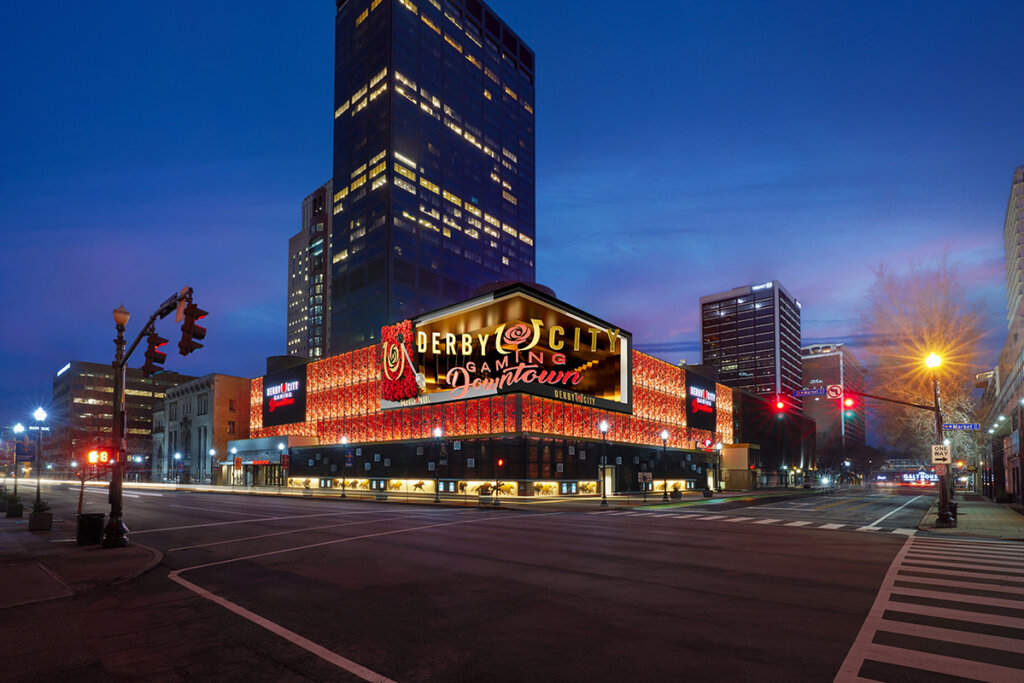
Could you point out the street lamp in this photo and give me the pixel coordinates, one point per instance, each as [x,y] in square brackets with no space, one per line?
[604,462]
[177,471]
[945,518]
[18,429]
[115,533]
[280,459]
[213,454]
[664,464]
[437,464]
[234,452]
[344,464]
[40,416]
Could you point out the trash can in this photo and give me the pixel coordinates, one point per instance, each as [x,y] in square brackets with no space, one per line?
[90,528]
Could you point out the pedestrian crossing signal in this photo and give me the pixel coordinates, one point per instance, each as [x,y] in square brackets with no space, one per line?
[99,458]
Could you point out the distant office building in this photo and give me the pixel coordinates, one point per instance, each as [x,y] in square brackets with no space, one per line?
[433,191]
[752,335]
[195,421]
[840,428]
[309,278]
[81,414]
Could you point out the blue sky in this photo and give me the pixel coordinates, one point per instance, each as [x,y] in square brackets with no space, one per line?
[682,149]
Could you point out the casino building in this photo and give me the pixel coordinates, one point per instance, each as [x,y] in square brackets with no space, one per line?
[508,390]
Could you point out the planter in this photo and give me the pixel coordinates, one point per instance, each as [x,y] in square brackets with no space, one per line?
[675,495]
[40,521]
[15,509]
[708,493]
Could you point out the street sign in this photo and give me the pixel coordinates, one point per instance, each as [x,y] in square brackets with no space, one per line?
[816,391]
[961,426]
[940,470]
[941,455]
[645,477]
[349,460]
[834,391]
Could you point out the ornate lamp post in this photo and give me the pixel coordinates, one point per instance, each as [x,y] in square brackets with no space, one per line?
[604,463]
[437,463]
[664,464]
[280,458]
[40,416]
[115,533]
[213,454]
[344,465]
[234,452]
[18,429]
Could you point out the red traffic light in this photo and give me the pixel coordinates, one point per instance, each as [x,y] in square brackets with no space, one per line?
[848,402]
[780,405]
[154,356]
[501,462]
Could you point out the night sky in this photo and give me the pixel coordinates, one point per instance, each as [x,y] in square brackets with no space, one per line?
[682,149]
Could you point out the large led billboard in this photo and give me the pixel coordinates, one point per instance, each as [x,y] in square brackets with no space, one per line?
[512,340]
[284,397]
[700,402]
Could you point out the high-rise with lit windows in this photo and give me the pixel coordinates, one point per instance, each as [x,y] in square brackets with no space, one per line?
[309,278]
[752,335]
[433,190]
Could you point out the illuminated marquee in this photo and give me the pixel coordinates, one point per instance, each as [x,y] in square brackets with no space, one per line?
[701,402]
[284,397]
[515,340]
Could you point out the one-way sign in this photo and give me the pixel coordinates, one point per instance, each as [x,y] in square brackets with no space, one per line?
[941,455]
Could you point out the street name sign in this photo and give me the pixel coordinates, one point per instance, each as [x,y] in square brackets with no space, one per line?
[941,455]
[962,426]
[817,391]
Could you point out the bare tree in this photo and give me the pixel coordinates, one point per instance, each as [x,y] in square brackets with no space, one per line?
[909,316]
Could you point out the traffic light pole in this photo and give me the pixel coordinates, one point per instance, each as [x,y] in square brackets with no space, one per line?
[115,534]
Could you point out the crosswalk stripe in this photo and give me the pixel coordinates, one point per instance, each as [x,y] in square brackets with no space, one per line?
[831,526]
[958,572]
[954,597]
[767,521]
[957,614]
[737,519]
[797,523]
[967,585]
[950,635]
[905,532]
[992,557]
[968,565]
[941,664]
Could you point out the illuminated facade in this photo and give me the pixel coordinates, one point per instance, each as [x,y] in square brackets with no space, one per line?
[752,336]
[433,161]
[512,375]
[309,278]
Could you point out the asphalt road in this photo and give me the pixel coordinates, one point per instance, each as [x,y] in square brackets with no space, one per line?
[291,589]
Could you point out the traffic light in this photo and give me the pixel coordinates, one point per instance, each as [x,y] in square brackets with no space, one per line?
[190,332]
[780,407]
[848,403]
[501,462]
[154,356]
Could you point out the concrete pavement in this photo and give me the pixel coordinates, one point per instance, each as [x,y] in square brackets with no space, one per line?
[980,517]
[45,565]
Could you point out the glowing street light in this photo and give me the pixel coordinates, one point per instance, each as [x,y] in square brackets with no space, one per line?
[18,429]
[664,463]
[604,462]
[344,474]
[945,519]
[437,465]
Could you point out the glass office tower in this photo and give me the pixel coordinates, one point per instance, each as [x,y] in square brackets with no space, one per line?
[433,160]
[752,335]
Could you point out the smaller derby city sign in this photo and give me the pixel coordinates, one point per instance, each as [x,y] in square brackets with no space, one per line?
[284,397]
[512,340]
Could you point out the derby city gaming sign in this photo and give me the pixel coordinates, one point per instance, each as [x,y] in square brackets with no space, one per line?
[284,397]
[516,341]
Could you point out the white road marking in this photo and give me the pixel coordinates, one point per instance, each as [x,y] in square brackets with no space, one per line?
[737,519]
[831,526]
[767,521]
[306,644]
[869,528]
[245,521]
[875,523]
[227,512]
[796,523]
[287,532]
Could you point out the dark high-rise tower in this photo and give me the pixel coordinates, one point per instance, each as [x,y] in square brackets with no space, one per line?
[752,335]
[433,160]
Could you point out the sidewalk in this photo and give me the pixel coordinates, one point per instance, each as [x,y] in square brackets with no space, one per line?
[980,517]
[44,565]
